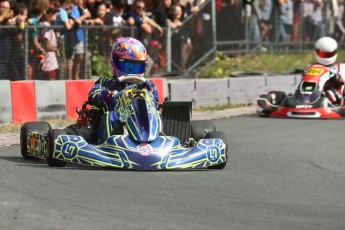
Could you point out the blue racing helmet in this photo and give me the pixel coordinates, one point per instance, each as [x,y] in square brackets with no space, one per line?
[128,56]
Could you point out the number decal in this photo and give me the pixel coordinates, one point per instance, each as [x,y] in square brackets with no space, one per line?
[213,153]
[69,150]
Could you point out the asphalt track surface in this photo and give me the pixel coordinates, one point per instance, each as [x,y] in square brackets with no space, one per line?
[283,174]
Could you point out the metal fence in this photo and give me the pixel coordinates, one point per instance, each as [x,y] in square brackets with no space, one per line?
[232,29]
[167,53]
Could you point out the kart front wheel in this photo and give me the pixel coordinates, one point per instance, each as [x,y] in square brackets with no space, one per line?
[52,135]
[222,136]
[24,132]
[200,128]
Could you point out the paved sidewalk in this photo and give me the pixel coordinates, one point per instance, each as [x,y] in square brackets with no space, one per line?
[7,139]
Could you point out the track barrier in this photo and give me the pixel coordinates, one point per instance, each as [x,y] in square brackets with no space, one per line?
[5,101]
[23,101]
[76,94]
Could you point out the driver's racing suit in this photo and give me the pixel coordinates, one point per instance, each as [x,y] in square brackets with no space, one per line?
[334,87]
[106,119]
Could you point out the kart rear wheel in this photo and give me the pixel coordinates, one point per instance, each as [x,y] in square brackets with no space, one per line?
[52,135]
[222,136]
[24,131]
[200,128]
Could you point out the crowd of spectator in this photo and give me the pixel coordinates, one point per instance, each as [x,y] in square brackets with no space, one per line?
[55,53]
[61,53]
[284,21]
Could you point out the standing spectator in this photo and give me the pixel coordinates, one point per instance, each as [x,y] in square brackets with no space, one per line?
[297,15]
[101,11]
[116,16]
[50,46]
[100,19]
[136,17]
[281,34]
[5,38]
[331,14]
[161,12]
[5,11]
[288,20]
[307,21]
[317,17]
[229,14]
[16,63]
[81,15]
[62,19]
[182,40]
[37,9]
[253,13]
[339,33]
[188,8]
[265,25]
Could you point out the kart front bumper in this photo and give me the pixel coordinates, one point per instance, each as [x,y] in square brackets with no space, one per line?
[121,152]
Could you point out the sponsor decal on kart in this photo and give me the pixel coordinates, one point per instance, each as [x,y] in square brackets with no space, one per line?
[314,71]
[146,149]
[304,106]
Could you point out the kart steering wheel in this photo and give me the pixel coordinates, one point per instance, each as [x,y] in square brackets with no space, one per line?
[127,78]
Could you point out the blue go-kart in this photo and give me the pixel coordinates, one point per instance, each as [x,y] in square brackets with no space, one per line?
[151,139]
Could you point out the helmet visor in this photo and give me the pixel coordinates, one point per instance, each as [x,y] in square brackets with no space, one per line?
[129,66]
[324,54]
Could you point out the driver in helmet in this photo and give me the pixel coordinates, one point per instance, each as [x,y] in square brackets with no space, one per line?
[128,56]
[326,54]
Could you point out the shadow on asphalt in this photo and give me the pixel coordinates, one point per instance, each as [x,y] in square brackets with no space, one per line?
[38,163]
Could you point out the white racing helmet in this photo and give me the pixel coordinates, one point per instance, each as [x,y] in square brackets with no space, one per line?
[326,50]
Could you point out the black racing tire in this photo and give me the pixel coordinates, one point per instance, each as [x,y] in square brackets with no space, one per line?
[222,136]
[52,135]
[24,131]
[279,97]
[200,128]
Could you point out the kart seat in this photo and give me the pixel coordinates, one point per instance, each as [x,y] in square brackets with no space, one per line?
[176,119]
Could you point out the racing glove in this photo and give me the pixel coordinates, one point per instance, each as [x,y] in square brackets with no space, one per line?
[114,84]
[105,95]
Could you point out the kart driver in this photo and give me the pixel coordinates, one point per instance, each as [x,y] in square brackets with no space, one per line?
[128,56]
[326,54]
